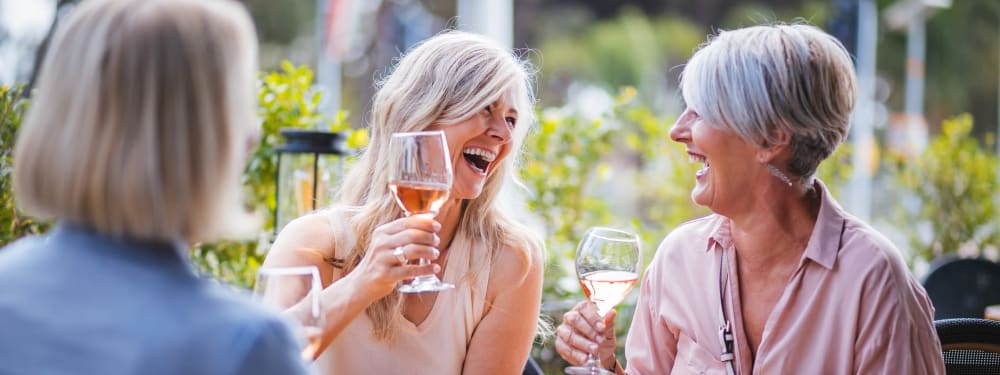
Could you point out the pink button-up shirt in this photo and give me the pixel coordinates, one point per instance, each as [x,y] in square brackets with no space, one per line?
[851,307]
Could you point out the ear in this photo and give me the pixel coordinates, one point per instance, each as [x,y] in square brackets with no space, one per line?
[769,152]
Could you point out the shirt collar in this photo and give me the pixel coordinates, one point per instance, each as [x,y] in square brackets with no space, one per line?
[824,244]
[719,233]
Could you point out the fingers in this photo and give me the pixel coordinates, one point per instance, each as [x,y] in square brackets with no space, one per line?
[584,332]
[405,231]
[408,253]
[573,347]
[584,318]
[418,222]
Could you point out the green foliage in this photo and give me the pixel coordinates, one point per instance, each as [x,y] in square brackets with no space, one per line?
[836,170]
[620,170]
[955,181]
[13,224]
[287,99]
[629,50]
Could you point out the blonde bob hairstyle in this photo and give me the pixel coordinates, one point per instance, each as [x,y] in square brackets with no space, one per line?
[442,81]
[144,113]
[762,80]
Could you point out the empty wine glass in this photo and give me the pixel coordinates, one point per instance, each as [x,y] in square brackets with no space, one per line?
[607,263]
[420,179]
[295,291]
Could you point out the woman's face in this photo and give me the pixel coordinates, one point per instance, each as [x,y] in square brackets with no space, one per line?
[731,166]
[478,145]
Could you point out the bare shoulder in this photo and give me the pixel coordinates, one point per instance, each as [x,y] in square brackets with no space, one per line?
[307,239]
[520,267]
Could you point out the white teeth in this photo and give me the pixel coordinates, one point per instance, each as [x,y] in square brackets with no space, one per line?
[696,159]
[484,154]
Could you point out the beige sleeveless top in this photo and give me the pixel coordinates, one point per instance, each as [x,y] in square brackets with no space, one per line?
[436,346]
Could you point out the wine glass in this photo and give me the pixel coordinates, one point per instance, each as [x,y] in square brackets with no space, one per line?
[607,263]
[420,179]
[295,292]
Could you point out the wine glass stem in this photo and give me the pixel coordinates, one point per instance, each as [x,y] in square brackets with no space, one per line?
[422,261]
[593,363]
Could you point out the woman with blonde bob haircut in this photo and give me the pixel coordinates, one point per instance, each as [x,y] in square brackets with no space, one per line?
[479,95]
[135,144]
[779,279]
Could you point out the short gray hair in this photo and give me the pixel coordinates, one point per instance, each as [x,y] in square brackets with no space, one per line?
[759,80]
[144,114]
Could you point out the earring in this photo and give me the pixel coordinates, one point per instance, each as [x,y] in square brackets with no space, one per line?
[779,174]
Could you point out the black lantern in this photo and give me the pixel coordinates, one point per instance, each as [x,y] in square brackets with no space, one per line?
[308,163]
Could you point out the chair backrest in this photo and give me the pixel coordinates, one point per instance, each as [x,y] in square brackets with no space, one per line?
[962,288]
[970,346]
[531,368]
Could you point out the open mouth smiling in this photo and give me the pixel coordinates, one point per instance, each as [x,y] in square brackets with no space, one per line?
[479,159]
[699,159]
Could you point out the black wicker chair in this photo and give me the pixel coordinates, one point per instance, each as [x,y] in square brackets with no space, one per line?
[962,288]
[970,346]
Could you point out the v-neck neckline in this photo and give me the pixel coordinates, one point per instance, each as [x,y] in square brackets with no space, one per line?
[430,318]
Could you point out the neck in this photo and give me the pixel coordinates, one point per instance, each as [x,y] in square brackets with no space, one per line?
[777,228]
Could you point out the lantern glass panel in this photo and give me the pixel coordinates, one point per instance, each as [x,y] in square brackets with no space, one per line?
[300,191]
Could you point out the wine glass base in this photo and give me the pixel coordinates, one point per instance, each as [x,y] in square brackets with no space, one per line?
[420,285]
[584,370]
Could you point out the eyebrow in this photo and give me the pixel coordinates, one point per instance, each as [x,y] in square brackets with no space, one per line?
[494,106]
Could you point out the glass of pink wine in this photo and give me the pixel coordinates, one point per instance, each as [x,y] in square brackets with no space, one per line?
[295,293]
[420,179]
[607,263]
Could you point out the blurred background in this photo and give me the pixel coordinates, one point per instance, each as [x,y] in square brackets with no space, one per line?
[581,45]
[921,163]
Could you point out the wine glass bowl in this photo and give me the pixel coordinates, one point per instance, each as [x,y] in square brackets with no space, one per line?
[420,180]
[607,264]
[295,293]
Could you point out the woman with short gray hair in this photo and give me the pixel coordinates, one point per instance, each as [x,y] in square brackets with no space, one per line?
[779,279]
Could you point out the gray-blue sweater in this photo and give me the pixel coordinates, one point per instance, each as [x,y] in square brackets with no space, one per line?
[79,302]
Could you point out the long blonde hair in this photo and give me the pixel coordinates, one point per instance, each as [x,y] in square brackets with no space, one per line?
[443,81]
[142,120]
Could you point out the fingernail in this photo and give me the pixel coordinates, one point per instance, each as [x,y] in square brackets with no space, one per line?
[593,347]
[600,338]
[437,253]
[437,240]
[600,326]
[437,225]
[437,268]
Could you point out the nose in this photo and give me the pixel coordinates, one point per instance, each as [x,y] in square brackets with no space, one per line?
[499,130]
[681,130]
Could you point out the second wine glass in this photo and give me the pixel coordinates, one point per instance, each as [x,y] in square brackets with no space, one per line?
[420,179]
[607,263]
[295,292]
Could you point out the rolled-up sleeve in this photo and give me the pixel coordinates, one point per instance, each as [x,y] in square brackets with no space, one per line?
[650,346]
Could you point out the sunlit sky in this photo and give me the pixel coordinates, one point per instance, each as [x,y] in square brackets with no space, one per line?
[25,22]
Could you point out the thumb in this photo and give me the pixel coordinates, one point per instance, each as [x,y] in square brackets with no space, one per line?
[609,323]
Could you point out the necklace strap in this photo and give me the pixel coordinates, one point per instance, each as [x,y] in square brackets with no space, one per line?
[726,328]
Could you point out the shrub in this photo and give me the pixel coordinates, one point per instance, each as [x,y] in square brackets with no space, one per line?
[13,224]
[952,188]
[286,99]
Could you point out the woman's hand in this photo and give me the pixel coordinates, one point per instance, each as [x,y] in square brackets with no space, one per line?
[583,331]
[393,245]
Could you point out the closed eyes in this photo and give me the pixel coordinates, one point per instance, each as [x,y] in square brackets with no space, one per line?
[510,120]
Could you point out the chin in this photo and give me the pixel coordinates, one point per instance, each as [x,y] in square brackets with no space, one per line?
[466,192]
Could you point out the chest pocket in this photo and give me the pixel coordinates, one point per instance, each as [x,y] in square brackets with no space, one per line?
[692,358]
